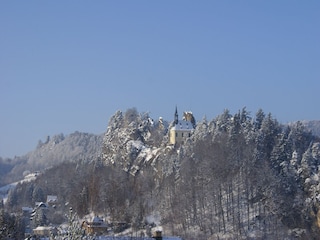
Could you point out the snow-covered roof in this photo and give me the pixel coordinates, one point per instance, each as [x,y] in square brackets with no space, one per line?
[42,228]
[183,125]
[96,219]
[96,222]
[51,198]
[27,209]
[41,204]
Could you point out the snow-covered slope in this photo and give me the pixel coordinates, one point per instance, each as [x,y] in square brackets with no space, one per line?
[234,178]
[4,190]
[313,126]
[133,140]
[57,149]
[61,148]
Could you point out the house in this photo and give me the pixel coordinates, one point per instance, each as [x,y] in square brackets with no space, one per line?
[44,231]
[180,130]
[52,200]
[41,205]
[26,210]
[96,226]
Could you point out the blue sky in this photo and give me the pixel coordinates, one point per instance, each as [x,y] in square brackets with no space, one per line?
[67,66]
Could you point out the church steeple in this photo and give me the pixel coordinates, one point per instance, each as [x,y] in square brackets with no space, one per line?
[176,118]
[181,130]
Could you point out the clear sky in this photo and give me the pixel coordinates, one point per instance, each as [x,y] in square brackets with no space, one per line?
[67,66]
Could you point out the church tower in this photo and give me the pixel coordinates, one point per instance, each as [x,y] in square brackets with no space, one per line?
[176,117]
[180,129]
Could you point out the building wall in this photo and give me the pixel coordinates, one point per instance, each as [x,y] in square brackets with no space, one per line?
[178,136]
[172,137]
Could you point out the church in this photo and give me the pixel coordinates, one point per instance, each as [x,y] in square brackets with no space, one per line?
[180,130]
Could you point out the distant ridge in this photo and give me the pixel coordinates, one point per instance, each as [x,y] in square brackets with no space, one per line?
[313,126]
[76,146]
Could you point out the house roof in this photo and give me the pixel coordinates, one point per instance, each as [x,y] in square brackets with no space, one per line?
[96,222]
[183,125]
[41,205]
[27,209]
[96,219]
[51,198]
[43,228]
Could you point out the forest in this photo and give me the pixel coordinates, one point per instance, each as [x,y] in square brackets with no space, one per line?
[237,177]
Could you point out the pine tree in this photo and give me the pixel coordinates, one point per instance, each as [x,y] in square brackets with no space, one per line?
[259,119]
[7,225]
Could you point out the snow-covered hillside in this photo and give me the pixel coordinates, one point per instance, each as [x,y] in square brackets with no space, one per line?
[55,150]
[313,126]
[4,190]
[134,140]
[235,177]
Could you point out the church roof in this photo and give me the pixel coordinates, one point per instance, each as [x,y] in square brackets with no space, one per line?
[183,125]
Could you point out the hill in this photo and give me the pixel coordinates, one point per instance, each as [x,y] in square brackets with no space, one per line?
[55,150]
[236,177]
[313,126]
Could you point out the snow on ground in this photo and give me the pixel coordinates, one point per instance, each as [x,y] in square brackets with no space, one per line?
[149,153]
[134,238]
[5,189]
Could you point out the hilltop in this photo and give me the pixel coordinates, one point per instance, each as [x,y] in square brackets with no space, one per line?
[313,126]
[236,176]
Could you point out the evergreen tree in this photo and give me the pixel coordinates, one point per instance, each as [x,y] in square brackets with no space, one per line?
[259,118]
[7,225]
[38,195]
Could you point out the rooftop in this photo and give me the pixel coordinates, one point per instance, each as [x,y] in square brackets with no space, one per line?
[183,126]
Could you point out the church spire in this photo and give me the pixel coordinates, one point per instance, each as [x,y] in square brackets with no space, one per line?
[176,118]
